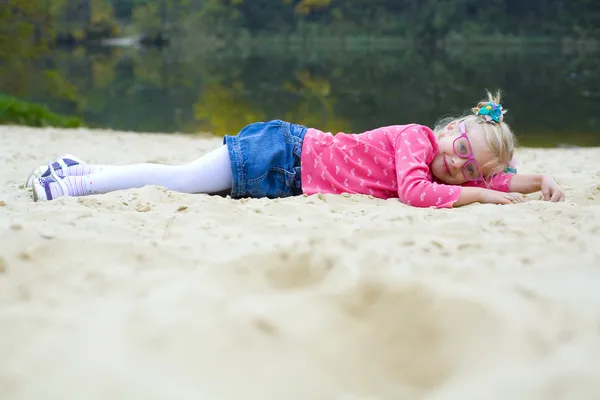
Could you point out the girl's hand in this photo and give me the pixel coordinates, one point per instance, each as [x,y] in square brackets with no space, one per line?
[495,197]
[551,190]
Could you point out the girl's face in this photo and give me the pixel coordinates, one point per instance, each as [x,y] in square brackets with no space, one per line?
[462,159]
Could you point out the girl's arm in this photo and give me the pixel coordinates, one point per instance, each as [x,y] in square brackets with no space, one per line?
[523,183]
[470,195]
[526,183]
[530,183]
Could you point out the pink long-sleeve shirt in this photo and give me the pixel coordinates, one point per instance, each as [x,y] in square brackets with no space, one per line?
[387,162]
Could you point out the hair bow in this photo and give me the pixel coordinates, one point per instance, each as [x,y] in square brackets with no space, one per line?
[490,111]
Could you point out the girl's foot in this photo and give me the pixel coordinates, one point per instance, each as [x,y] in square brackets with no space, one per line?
[63,166]
[48,188]
[52,187]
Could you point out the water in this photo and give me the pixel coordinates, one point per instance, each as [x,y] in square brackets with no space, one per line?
[553,95]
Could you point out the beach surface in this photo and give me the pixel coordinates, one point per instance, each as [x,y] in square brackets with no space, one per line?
[151,294]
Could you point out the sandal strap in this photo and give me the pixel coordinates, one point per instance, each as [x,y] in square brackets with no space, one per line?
[63,165]
[59,180]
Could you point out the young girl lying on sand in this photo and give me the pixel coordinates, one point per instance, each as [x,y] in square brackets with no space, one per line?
[463,160]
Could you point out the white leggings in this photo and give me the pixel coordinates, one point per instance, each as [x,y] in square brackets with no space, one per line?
[210,173]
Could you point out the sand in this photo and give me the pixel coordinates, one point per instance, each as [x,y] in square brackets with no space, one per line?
[151,294]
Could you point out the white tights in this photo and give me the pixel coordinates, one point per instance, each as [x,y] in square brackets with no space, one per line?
[210,173]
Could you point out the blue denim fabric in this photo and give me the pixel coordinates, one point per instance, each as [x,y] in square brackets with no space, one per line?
[265,159]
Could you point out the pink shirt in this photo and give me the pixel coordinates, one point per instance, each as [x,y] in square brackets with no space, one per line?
[387,162]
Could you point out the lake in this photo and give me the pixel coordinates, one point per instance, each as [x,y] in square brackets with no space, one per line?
[552,94]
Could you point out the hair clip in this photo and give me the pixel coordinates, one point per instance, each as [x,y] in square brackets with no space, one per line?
[512,166]
[491,112]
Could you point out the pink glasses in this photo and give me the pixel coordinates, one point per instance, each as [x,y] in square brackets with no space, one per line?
[462,147]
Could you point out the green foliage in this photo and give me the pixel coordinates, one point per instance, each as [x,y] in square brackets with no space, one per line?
[229,61]
[18,112]
[422,20]
[418,19]
[345,85]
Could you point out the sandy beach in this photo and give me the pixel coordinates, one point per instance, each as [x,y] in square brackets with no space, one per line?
[151,294]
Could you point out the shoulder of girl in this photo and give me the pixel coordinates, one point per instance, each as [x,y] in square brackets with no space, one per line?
[425,130]
[415,131]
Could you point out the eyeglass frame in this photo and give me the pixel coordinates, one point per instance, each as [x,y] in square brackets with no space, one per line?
[470,157]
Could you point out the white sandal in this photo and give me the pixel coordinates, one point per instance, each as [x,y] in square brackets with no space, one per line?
[61,163]
[41,186]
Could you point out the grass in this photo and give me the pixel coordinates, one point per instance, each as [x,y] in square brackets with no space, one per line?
[14,111]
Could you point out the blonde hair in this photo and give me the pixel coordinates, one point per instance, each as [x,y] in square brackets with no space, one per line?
[500,138]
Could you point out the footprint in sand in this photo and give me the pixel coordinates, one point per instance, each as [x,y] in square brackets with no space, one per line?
[293,269]
[140,207]
[416,335]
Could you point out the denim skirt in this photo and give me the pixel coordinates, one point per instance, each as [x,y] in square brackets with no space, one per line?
[265,159]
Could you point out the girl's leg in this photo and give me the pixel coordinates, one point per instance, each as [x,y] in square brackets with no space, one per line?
[209,174]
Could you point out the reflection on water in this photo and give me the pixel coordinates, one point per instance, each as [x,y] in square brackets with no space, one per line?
[553,97]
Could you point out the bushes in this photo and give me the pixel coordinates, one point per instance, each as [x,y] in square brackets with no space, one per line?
[15,111]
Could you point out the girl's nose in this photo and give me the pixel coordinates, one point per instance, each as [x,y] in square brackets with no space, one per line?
[457,162]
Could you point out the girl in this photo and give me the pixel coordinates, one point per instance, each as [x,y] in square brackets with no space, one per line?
[463,161]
